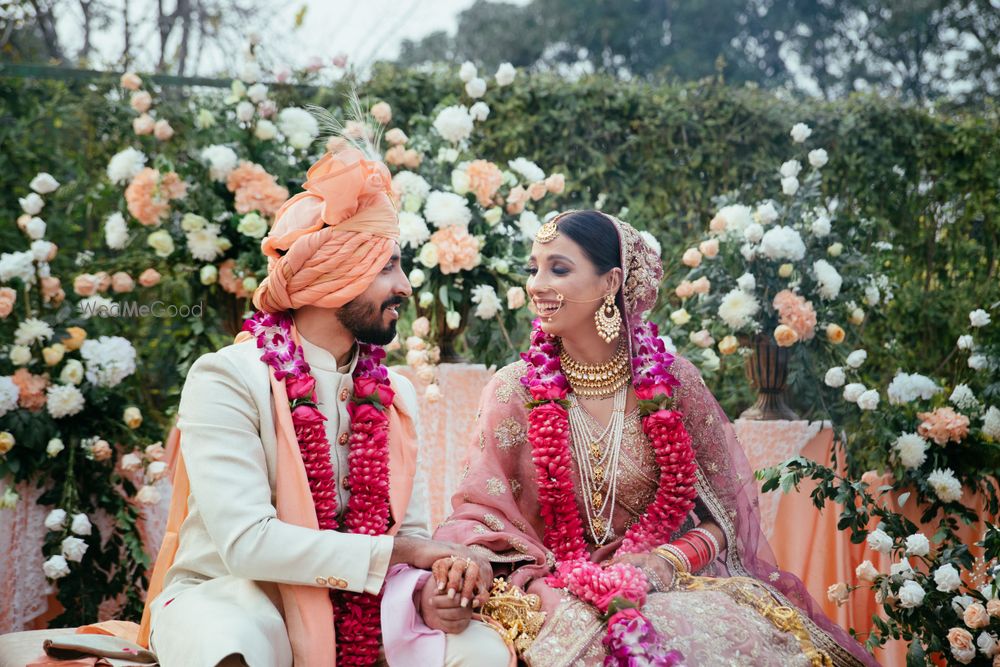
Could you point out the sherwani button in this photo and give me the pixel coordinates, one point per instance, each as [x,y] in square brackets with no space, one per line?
[344,437]
[342,583]
[333,581]
[344,394]
[320,581]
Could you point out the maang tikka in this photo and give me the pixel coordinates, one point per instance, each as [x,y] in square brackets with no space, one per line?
[608,319]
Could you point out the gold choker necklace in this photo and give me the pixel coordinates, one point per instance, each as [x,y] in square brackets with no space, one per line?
[597,380]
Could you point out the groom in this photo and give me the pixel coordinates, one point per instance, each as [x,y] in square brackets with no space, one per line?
[246,575]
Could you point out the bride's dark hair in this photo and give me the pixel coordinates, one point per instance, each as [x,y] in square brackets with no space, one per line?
[596,235]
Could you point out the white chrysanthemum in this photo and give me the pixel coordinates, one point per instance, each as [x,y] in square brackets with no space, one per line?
[55,567]
[413,231]
[821,226]
[505,74]
[529,224]
[853,391]
[63,400]
[447,208]
[991,423]
[467,72]
[125,164]
[454,123]
[8,395]
[115,231]
[790,169]
[488,303]
[911,450]
[747,282]
[480,111]
[856,358]
[782,243]
[754,232]
[299,126]
[220,160]
[737,218]
[530,171]
[800,132]
[109,360]
[945,485]
[652,242]
[818,158]
[906,388]
[408,183]
[979,318]
[868,400]
[475,88]
[203,244]
[963,398]
[32,330]
[835,377]
[738,309]
[767,213]
[18,265]
[44,183]
[828,279]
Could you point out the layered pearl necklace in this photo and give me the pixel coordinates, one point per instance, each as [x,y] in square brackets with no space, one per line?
[597,458]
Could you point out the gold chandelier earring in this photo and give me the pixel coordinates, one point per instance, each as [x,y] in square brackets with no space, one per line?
[608,319]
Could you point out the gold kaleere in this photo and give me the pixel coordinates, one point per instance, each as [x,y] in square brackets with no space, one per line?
[518,614]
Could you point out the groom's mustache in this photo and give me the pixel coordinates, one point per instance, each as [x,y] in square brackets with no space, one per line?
[394,301]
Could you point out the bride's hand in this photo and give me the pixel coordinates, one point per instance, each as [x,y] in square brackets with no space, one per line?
[465,575]
[651,562]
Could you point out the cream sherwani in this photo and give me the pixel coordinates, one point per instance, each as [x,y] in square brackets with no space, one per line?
[220,596]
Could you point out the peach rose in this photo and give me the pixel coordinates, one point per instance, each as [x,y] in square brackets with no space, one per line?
[162,130]
[53,354]
[130,81]
[229,281]
[31,389]
[458,250]
[943,425]
[85,284]
[8,297]
[835,334]
[73,340]
[838,594]
[685,290]
[702,285]
[412,158]
[993,607]
[516,298]
[556,184]
[52,291]
[717,225]
[141,101]
[103,281]
[702,338]
[382,113]
[537,190]
[22,222]
[155,452]
[143,125]
[396,155]
[122,282]
[149,277]
[728,345]
[975,616]
[691,258]
[516,199]
[396,137]
[960,639]
[149,194]
[709,248]
[485,178]
[785,336]
[101,450]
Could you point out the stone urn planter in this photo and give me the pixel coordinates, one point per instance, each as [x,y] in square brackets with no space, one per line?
[767,370]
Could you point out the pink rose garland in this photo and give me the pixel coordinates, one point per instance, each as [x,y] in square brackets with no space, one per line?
[357,615]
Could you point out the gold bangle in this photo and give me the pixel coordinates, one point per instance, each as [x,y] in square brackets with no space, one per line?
[671,558]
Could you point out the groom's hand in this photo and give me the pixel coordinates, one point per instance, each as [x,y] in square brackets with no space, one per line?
[441,612]
[467,578]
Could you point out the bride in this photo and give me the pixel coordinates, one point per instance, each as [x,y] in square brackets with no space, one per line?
[573,476]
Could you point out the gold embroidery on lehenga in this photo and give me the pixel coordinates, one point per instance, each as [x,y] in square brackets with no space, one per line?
[509,381]
[493,521]
[509,434]
[482,441]
[515,490]
[495,486]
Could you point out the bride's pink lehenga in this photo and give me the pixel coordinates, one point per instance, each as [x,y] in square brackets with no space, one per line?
[741,610]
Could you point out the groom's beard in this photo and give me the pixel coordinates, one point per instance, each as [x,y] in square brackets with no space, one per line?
[366,321]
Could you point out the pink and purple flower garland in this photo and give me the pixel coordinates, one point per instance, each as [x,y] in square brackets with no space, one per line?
[357,616]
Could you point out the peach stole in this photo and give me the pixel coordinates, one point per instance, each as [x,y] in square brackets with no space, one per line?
[308,610]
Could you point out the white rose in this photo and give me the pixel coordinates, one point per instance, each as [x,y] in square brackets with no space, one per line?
[800,132]
[856,358]
[853,391]
[475,88]
[790,186]
[453,319]
[790,169]
[493,215]
[835,377]
[428,255]
[459,181]
[835,249]
[747,282]
[911,594]
[878,540]
[947,578]
[829,280]
[979,318]
[43,183]
[767,213]
[124,165]
[244,111]
[818,158]
[73,548]
[868,400]
[710,360]
[467,72]
[55,567]
[32,204]
[257,93]
[987,644]
[417,278]
[454,123]
[480,111]
[964,342]
[991,423]
[866,571]
[917,545]
[902,569]
[252,225]
[820,227]
[161,242]
[155,471]
[72,372]
[130,462]
[680,317]
[529,224]
[265,130]
[56,519]
[978,362]
[81,524]
[209,275]
[505,74]
[35,228]
[20,355]
[753,233]
[54,447]
[426,299]
[148,495]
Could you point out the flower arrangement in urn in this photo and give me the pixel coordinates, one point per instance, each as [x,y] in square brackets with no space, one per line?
[781,277]
[70,436]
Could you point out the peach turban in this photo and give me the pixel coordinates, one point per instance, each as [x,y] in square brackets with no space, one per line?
[330,241]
